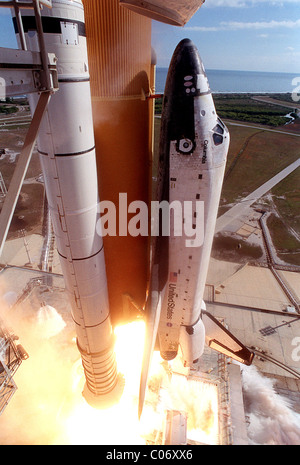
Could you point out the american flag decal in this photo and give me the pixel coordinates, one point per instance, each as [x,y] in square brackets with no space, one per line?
[173,277]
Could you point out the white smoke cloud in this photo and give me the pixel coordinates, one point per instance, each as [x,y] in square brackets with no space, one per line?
[44,380]
[272,419]
[49,322]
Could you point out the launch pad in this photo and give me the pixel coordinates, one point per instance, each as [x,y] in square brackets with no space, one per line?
[30,287]
[225,424]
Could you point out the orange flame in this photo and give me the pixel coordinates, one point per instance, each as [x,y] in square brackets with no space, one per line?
[119,424]
[49,398]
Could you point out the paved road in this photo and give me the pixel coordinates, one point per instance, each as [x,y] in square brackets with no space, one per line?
[16,120]
[262,128]
[280,103]
[242,207]
[215,305]
[230,123]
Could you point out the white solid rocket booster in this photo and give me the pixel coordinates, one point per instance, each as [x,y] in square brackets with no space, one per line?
[67,153]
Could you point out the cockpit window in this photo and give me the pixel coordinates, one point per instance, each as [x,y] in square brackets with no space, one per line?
[221,122]
[218,129]
[218,139]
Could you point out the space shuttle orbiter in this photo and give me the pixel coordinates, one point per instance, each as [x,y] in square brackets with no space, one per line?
[193,149]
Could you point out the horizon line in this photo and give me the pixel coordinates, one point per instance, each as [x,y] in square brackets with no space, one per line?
[242,70]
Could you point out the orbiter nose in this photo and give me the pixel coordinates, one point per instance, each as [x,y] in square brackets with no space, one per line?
[186,58]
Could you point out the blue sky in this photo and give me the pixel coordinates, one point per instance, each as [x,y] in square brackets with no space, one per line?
[250,35]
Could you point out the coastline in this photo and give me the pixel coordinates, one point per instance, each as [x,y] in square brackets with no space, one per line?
[242,82]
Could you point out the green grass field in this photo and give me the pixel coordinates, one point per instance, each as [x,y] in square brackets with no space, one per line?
[286,196]
[254,157]
[286,244]
[241,107]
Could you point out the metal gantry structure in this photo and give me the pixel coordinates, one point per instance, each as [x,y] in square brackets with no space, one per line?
[22,72]
[11,356]
[25,72]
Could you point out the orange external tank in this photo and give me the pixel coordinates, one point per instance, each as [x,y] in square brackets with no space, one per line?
[119,51]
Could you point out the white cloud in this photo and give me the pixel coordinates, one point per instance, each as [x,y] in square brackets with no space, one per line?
[235,25]
[245,3]
[203,28]
[225,3]
[239,25]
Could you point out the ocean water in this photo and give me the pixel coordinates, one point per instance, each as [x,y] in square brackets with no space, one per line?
[222,81]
